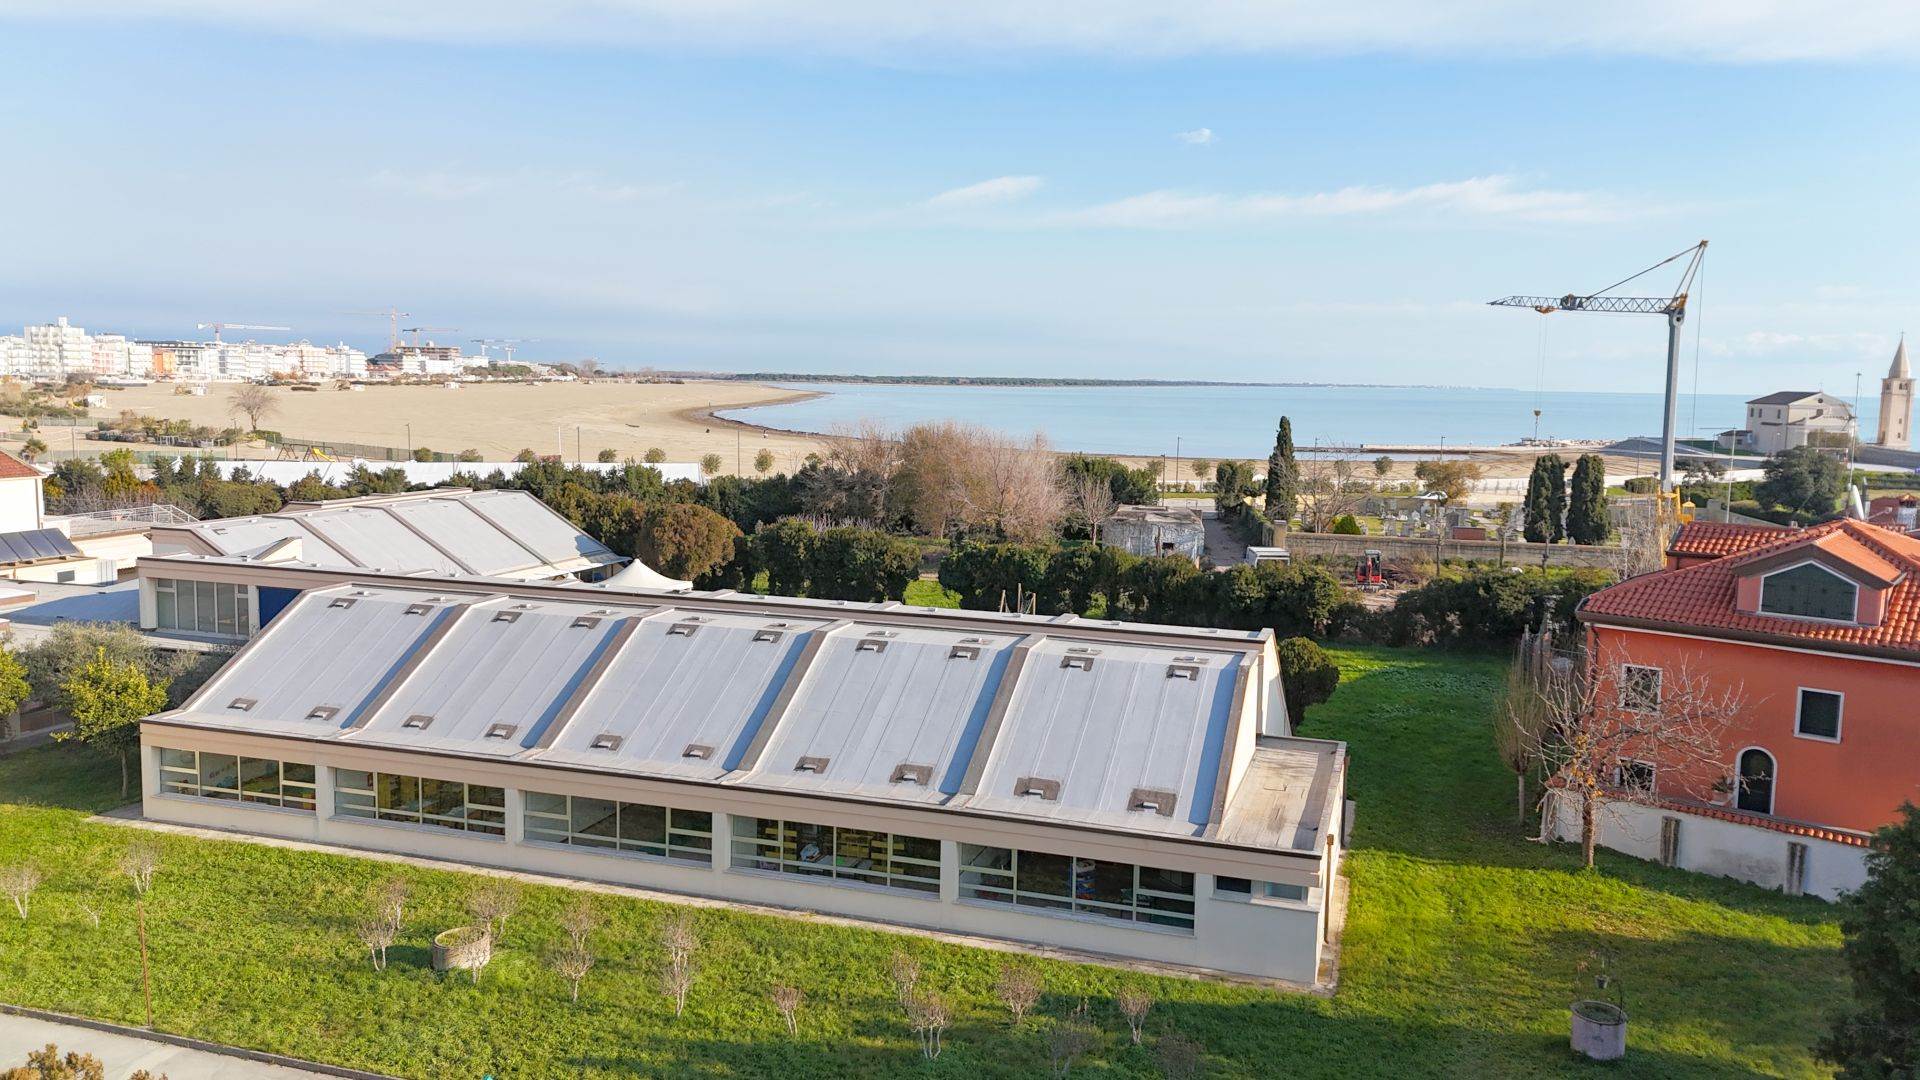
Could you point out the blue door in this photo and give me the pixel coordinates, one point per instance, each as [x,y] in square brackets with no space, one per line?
[274,601]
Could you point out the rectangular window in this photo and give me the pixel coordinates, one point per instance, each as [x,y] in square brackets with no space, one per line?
[201,607]
[414,800]
[1639,688]
[243,779]
[1630,775]
[1239,888]
[635,828]
[1819,715]
[887,860]
[1093,887]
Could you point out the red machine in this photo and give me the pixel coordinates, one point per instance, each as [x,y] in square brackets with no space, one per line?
[1368,574]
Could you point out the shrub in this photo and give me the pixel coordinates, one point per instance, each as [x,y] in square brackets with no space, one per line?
[1347,525]
[1307,674]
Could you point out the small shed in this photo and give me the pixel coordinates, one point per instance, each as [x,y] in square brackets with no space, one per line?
[1156,530]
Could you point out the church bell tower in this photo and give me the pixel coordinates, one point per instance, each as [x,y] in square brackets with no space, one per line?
[1896,403]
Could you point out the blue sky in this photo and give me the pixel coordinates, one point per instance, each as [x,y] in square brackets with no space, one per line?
[1196,191]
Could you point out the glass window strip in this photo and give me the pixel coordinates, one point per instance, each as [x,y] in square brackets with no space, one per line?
[855,855]
[980,879]
[259,781]
[683,841]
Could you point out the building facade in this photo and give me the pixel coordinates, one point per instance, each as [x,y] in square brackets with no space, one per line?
[1793,418]
[906,766]
[1816,632]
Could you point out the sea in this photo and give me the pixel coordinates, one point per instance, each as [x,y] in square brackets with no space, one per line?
[1239,421]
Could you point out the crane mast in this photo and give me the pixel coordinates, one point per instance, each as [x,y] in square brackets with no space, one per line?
[1674,308]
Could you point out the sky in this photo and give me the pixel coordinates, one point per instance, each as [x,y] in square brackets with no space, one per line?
[1217,189]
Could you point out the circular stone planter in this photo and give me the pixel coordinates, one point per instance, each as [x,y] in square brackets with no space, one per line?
[1599,1030]
[448,943]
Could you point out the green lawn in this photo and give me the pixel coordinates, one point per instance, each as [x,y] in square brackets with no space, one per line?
[1459,954]
[928,593]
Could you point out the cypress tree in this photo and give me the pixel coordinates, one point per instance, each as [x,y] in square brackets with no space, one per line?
[1878,1033]
[1557,497]
[1535,513]
[1587,518]
[1283,476]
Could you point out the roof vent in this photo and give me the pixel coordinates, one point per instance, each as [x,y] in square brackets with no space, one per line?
[919,774]
[870,644]
[811,764]
[606,740]
[244,704]
[682,629]
[506,616]
[697,751]
[1179,670]
[502,731]
[768,634]
[964,652]
[418,721]
[1049,790]
[1084,663]
[1154,799]
[323,712]
[341,602]
[419,609]
[586,622]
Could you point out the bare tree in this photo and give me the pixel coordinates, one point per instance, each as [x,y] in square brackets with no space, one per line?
[254,401]
[140,862]
[92,913]
[377,932]
[1013,488]
[1133,1003]
[390,900]
[904,970]
[930,1016]
[680,942]
[1018,988]
[572,962]
[1603,720]
[1645,532]
[787,999]
[579,920]
[18,882]
[1070,1040]
[1179,1057]
[1091,499]
[1328,491]
[1521,724]
[492,904]
[927,485]
[471,953]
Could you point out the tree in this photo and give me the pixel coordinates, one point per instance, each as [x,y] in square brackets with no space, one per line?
[19,882]
[763,461]
[527,456]
[1546,497]
[1201,468]
[253,401]
[607,456]
[861,564]
[1587,518]
[1178,1056]
[140,862]
[903,970]
[787,1000]
[1011,489]
[710,464]
[1018,988]
[1232,486]
[680,942]
[1133,1003]
[1878,1033]
[1803,480]
[785,550]
[1307,675]
[682,540]
[1519,726]
[572,962]
[580,919]
[377,933]
[1595,719]
[1701,471]
[1070,1040]
[929,1015]
[14,688]
[492,904]
[1090,498]
[1328,492]
[1382,466]
[1453,478]
[1347,525]
[107,699]
[654,455]
[1282,475]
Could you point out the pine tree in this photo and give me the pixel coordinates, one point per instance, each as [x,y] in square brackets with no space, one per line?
[1587,518]
[1878,1035]
[1536,515]
[1283,476]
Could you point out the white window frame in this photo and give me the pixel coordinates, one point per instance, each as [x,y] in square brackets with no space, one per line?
[1659,687]
[1261,893]
[1004,884]
[181,782]
[547,828]
[1839,719]
[1760,607]
[240,618]
[371,812]
[1773,790]
[752,848]
[1653,774]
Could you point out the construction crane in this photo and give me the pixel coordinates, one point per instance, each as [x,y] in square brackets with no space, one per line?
[216,327]
[1673,307]
[393,317]
[416,331]
[504,344]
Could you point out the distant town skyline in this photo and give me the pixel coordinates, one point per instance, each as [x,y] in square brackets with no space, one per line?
[1283,196]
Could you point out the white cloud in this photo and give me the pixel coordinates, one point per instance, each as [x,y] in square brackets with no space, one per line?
[1714,30]
[1000,189]
[1493,197]
[1196,137]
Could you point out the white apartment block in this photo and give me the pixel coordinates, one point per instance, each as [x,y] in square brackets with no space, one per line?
[56,350]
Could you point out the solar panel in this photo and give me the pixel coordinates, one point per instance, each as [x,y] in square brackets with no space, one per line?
[34,545]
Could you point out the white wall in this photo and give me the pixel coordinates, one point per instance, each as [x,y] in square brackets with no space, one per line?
[20,504]
[1266,940]
[1722,848]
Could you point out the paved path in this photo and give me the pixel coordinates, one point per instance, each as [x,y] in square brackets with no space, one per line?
[124,1054]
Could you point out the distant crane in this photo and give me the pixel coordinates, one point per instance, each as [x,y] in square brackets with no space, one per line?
[416,331]
[216,327]
[393,317]
[504,344]
[1673,307]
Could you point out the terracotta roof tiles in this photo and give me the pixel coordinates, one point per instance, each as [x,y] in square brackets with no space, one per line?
[12,468]
[1718,538]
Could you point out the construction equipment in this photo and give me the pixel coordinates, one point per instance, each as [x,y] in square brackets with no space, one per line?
[416,331]
[1369,575]
[393,317]
[505,345]
[216,327]
[1673,307]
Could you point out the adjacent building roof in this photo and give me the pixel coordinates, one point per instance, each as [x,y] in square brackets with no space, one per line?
[501,534]
[12,468]
[35,545]
[1714,539]
[1701,598]
[1052,721]
[1785,397]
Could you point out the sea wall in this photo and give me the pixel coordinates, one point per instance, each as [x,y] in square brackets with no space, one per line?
[1401,549]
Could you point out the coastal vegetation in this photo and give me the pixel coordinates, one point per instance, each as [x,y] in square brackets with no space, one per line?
[1461,944]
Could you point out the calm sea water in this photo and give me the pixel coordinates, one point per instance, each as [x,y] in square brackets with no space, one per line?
[1223,421]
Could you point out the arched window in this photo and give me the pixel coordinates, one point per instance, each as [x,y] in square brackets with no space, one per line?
[1756,781]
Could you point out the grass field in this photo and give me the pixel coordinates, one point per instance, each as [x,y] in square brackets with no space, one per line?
[1459,953]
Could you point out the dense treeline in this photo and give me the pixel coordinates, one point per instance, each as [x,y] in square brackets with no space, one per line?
[1481,605]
